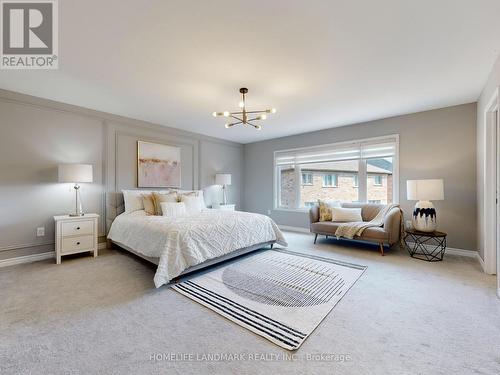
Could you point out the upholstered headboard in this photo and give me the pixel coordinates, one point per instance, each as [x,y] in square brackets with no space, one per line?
[114,207]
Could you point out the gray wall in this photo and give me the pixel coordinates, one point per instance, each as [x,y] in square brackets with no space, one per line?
[433,144]
[36,135]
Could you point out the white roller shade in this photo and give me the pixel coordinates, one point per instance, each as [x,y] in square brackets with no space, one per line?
[337,152]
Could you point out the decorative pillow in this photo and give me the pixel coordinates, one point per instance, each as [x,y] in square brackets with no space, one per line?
[196,193]
[193,203]
[149,204]
[325,209]
[173,209]
[340,214]
[133,200]
[159,198]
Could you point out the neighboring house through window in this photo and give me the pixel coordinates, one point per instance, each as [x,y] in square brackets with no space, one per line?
[359,171]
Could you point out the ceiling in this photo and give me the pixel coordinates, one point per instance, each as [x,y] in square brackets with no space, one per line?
[320,63]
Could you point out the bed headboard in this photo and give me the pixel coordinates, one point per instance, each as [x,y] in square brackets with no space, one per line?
[114,207]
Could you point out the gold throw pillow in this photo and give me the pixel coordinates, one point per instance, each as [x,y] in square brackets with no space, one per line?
[149,204]
[325,209]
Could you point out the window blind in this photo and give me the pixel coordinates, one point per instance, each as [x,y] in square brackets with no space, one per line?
[379,148]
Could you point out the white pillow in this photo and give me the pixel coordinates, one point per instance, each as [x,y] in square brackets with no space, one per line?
[133,200]
[194,203]
[346,214]
[173,209]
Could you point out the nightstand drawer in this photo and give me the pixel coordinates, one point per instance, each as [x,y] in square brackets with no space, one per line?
[75,244]
[77,228]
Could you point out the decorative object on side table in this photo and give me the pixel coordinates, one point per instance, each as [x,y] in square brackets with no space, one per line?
[75,174]
[223,179]
[75,235]
[429,246]
[424,218]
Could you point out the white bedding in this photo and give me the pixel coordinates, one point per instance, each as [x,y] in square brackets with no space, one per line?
[182,242]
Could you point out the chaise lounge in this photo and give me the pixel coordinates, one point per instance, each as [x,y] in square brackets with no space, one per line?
[388,234]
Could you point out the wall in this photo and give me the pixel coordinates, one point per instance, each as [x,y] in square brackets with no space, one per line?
[433,144]
[36,135]
[491,85]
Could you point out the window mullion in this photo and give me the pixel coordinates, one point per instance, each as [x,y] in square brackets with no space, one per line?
[362,181]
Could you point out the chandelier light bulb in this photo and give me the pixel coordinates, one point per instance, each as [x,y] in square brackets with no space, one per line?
[263,116]
[273,110]
[241,104]
[258,127]
[226,113]
[227,126]
[214,114]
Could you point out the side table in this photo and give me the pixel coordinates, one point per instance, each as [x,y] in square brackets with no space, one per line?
[429,246]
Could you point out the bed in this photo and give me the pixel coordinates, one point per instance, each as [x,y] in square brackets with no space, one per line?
[184,244]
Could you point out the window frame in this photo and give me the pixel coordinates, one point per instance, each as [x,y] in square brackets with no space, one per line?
[302,174]
[362,171]
[375,177]
[335,180]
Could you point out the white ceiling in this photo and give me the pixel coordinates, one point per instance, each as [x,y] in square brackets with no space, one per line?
[320,63]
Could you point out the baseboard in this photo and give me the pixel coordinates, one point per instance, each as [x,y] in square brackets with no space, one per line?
[481,261]
[38,257]
[462,252]
[27,259]
[294,229]
[498,292]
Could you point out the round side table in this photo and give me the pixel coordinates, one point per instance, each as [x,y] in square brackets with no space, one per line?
[429,246]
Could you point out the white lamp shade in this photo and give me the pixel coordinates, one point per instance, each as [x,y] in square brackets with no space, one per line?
[222,179]
[75,173]
[425,190]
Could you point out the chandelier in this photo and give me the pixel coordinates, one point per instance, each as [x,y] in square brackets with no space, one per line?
[244,117]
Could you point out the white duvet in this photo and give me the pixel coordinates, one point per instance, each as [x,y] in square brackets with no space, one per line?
[183,242]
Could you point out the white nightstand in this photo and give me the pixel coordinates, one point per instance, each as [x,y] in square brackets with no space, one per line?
[75,234]
[226,207]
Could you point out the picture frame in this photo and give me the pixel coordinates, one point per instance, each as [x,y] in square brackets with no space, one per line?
[158,165]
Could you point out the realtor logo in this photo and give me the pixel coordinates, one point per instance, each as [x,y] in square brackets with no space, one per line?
[29,34]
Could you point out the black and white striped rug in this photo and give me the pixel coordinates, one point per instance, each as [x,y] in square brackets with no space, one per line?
[278,294]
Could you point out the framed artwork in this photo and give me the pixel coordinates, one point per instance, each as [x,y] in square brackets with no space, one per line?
[158,165]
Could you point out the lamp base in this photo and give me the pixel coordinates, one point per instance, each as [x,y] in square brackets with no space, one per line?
[424,217]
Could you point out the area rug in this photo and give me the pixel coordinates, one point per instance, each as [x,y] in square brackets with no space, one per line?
[277,294]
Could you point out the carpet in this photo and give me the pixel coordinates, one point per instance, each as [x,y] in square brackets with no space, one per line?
[280,295]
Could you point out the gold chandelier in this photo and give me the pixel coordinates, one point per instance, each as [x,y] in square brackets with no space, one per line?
[245,117]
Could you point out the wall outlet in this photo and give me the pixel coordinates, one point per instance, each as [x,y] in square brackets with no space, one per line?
[40,231]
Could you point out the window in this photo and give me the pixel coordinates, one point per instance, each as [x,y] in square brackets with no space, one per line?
[360,171]
[307,179]
[330,180]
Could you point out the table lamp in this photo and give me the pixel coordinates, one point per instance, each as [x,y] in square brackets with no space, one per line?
[75,174]
[223,179]
[424,218]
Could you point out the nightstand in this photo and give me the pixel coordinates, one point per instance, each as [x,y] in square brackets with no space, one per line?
[226,207]
[75,234]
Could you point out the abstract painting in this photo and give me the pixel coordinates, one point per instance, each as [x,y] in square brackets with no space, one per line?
[158,165]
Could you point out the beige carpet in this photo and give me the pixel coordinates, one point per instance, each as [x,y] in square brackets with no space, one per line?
[103,316]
